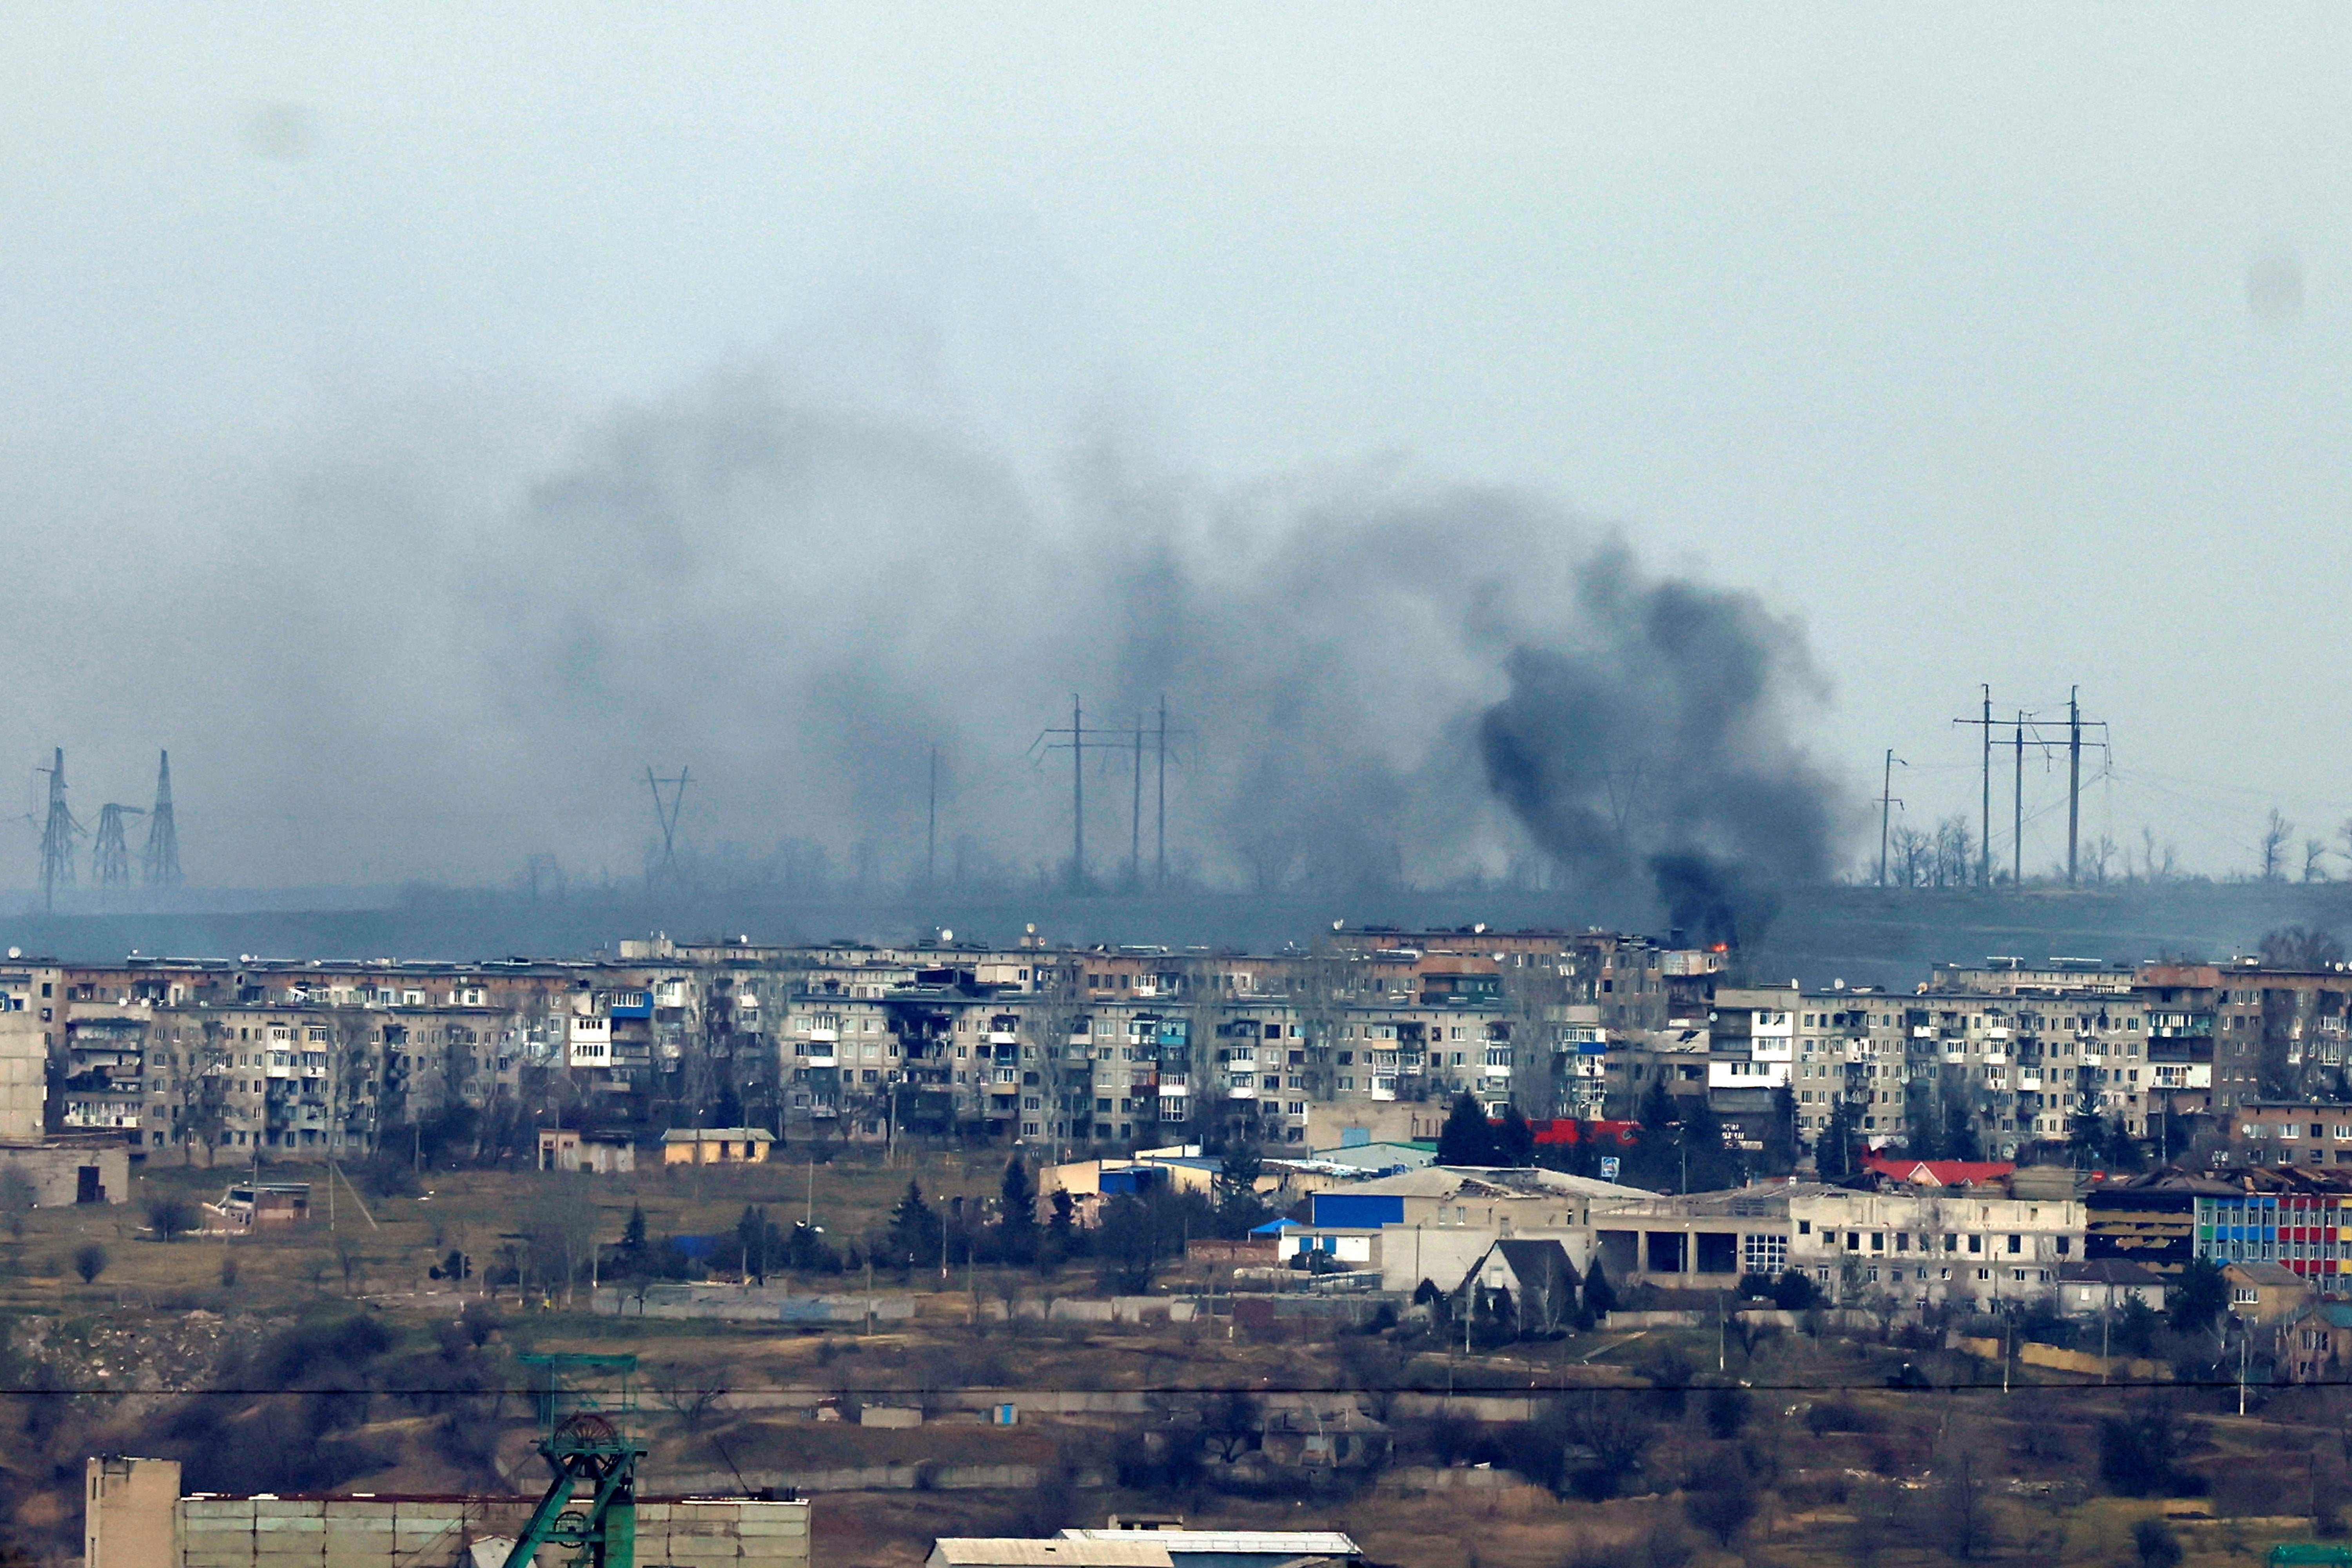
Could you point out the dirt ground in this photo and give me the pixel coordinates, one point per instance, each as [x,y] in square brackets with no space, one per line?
[1863,1488]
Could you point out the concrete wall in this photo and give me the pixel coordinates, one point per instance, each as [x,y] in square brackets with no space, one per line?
[130,1513]
[24,1075]
[748,1304]
[55,1170]
[434,1533]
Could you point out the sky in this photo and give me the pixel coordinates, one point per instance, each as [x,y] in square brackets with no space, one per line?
[1995,345]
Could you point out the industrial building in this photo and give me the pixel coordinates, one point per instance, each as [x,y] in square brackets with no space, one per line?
[136,1517]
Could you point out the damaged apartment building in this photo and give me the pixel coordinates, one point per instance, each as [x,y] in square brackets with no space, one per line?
[1373,1029]
[323,1058]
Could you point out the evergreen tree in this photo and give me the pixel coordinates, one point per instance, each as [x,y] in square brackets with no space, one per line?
[2123,1152]
[1016,1221]
[1239,1207]
[1515,1140]
[1833,1150]
[2086,1131]
[1709,1163]
[1656,1113]
[1923,1128]
[752,1238]
[2197,1296]
[914,1228]
[1781,1133]
[1960,1140]
[1600,1297]
[1466,1139]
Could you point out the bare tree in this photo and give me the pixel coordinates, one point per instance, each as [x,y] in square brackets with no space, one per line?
[2314,860]
[1913,855]
[693,1404]
[560,1230]
[2098,855]
[2276,833]
[2300,947]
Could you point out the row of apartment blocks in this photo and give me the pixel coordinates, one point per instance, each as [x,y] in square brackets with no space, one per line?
[2163,1049]
[319,1058]
[1056,1045]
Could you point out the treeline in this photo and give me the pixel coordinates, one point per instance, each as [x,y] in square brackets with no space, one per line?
[1132,1239]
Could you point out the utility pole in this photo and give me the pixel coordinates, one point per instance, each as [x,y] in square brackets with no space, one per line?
[1984,841]
[1078,744]
[931,829]
[1886,803]
[1135,818]
[1164,792]
[2074,776]
[2017,811]
[1984,829]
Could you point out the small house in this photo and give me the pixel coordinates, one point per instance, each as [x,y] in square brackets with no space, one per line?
[2263,1292]
[258,1205]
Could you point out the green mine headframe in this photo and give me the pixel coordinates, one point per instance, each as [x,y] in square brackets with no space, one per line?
[588,1445]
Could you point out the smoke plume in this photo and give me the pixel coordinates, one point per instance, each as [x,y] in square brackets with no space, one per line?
[404,665]
[1658,735]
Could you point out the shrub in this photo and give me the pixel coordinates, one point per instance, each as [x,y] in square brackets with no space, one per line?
[89,1262]
[1839,1416]
[2158,1544]
[2139,1454]
[170,1217]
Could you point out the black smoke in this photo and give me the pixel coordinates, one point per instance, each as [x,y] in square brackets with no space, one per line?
[1656,736]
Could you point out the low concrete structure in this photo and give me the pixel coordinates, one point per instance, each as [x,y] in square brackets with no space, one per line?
[71,1170]
[259,1206]
[141,1521]
[2087,1290]
[717,1146]
[602,1154]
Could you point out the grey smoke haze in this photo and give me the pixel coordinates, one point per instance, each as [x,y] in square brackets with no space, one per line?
[799,602]
[803,602]
[2003,345]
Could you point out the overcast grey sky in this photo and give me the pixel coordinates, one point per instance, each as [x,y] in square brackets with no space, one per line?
[2006,344]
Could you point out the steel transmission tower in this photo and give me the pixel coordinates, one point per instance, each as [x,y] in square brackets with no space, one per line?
[159,862]
[666,808]
[59,831]
[110,855]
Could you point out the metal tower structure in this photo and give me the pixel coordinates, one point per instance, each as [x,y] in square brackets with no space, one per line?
[665,812]
[587,1446]
[159,862]
[110,855]
[59,831]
